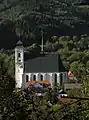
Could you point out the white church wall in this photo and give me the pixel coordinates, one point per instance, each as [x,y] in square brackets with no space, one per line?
[43,76]
[58,79]
[48,76]
[24,85]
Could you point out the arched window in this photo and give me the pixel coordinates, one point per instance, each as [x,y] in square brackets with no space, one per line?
[65,76]
[41,77]
[34,77]
[19,55]
[61,79]
[27,78]
[55,78]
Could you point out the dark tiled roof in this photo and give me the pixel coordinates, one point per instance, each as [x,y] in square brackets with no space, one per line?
[44,63]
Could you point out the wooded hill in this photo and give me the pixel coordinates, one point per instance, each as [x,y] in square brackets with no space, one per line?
[55,17]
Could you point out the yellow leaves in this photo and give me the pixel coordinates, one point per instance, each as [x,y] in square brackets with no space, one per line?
[55,107]
[30,107]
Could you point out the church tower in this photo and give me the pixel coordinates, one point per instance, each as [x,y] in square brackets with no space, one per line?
[19,64]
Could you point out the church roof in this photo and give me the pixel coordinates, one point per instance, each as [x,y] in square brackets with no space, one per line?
[44,63]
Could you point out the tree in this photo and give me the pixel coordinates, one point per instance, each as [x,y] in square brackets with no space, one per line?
[78,69]
[6,71]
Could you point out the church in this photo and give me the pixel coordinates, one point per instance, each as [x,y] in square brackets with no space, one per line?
[47,66]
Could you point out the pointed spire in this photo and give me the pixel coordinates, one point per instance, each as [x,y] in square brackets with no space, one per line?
[19,43]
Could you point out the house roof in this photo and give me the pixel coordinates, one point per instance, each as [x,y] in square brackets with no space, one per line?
[32,82]
[66,100]
[70,74]
[46,82]
[44,63]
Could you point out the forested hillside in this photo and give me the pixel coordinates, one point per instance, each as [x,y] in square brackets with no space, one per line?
[28,17]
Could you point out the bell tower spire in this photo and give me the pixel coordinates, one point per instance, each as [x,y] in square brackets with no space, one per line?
[19,63]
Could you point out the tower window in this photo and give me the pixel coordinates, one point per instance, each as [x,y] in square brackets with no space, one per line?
[19,60]
[27,78]
[41,77]
[19,55]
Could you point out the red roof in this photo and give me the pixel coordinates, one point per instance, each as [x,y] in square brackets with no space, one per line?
[70,74]
[66,100]
[44,82]
[32,82]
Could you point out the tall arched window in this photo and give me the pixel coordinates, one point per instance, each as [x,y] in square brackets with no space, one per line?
[41,77]
[34,77]
[19,55]
[27,78]
[61,79]
[55,79]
